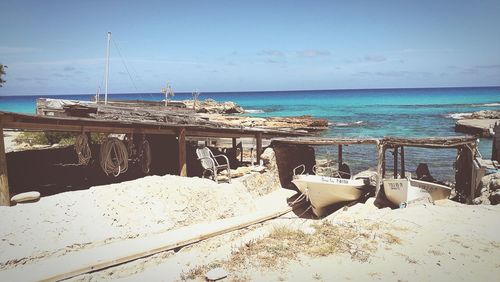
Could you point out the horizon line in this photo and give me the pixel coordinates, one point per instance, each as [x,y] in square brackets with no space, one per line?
[269,91]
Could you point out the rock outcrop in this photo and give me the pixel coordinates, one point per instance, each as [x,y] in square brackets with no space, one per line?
[487,114]
[211,106]
[306,123]
[478,123]
[490,190]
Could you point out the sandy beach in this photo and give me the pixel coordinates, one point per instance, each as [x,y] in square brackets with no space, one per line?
[445,241]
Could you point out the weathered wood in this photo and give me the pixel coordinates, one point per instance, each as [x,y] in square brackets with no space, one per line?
[258,136]
[383,160]
[395,154]
[87,260]
[463,174]
[495,151]
[4,181]
[322,141]
[81,128]
[73,124]
[429,142]
[182,152]
[380,162]
[402,154]
[340,161]
[478,171]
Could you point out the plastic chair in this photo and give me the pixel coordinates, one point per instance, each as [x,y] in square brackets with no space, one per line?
[209,163]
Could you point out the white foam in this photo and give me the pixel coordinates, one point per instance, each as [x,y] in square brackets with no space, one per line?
[459,115]
[254,111]
[491,105]
[344,124]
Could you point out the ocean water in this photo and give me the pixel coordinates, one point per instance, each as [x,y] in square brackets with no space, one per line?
[354,113]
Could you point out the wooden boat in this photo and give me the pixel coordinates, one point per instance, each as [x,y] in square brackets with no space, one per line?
[323,191]
[405,191]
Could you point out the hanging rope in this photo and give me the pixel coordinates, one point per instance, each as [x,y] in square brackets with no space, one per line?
[82,149]
[145,157]
[114,157]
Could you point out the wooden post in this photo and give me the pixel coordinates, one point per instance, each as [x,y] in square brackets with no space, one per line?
[403,162]
[182,152]
[4,180]
[475,171]
[383,161]
[380,165]
[495,150]
[258,136]
[395,162]
[234,143]
[340,155]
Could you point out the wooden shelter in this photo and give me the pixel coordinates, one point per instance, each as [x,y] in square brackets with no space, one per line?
[467,168]
[291,152]
[87,125]
[465,173]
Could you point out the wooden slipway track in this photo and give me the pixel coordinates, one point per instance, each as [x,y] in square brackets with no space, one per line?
[92,259]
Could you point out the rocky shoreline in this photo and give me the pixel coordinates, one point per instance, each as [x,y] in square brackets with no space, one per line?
[478,123]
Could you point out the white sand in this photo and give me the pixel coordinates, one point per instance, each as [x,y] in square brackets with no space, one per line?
[442,242]
[446,241]
[73,220]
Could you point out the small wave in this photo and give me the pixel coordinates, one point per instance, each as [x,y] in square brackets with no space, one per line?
[345,124]
[254,111]
[491,105]
[458,115]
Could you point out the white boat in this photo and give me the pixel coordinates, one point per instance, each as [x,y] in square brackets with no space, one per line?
[399,191]
[323,191]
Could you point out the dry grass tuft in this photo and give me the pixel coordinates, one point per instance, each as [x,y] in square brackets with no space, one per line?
[198,271]
[284,244]
[392,239]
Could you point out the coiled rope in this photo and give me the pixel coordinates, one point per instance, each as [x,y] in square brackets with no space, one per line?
[114,157]
[82,149]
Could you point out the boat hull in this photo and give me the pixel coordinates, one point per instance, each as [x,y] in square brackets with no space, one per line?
[325,191]
[399,191]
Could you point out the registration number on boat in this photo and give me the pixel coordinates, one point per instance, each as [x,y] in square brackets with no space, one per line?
[395,185]
[336,180]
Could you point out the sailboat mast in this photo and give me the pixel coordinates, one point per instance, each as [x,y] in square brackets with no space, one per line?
[107,71]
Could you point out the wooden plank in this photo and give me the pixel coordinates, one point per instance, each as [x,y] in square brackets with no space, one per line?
[323,141]
[72,124]
[403,172]
[395,153]
[258,136]
[430,142]
[380,162]
[217,134]
[83,261]
[182,152]
[495,150]
[4,176]
[383,161]
[87,128]
[340,161]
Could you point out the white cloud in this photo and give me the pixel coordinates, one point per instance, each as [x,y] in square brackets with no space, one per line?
[311,53]
[16,50]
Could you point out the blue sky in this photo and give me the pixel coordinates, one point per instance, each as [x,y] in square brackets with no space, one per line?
[58,47]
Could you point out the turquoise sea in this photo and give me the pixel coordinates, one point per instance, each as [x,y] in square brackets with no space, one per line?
[367,113]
